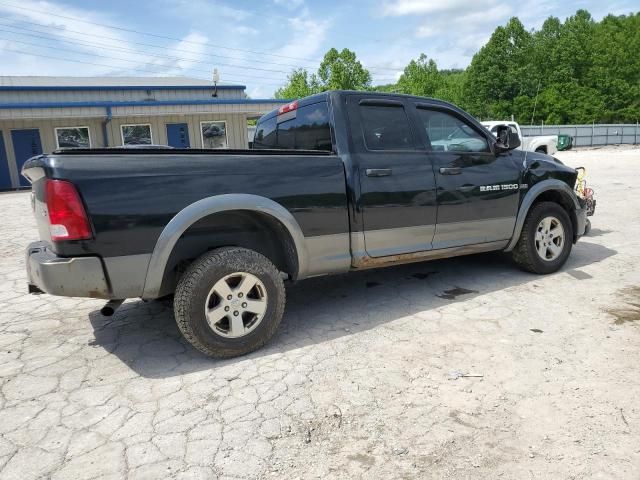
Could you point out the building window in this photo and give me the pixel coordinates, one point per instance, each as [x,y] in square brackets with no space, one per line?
[213,134]
[136,134]
[73,137]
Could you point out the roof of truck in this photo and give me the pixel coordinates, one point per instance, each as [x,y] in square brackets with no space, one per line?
[318,97]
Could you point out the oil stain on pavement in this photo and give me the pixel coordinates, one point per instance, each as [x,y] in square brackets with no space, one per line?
[455,292]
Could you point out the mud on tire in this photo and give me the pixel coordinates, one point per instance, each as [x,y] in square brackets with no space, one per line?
[193,299]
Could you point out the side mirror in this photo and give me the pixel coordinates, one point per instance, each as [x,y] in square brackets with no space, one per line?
[506,139]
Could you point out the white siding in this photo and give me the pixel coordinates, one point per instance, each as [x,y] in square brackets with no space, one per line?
[236,128]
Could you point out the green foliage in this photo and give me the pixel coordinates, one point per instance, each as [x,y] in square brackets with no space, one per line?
[420,77]
[338,71]
[582,71]
[342,71]
[299,85]
[576,71]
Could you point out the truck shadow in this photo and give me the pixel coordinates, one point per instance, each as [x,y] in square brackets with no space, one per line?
[145,337]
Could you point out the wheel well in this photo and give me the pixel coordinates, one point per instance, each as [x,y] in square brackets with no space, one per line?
[562,199]
[239,228]
[541,148]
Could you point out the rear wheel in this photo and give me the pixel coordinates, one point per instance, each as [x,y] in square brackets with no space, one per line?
[546,239]
[229,302]
[541,150]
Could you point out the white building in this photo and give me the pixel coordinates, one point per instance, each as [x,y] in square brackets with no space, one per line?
[41,114]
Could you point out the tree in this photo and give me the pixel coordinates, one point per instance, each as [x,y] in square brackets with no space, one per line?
[298,85]
[338,71]
[342,71]
[420,77]
[452,87]
[499,72]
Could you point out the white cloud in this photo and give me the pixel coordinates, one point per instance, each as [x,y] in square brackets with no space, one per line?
[67,29]
[472,21]
[108,47]
[413,7]
[244,30]
[306,37]
[195,44]
[456,29]
[204,9]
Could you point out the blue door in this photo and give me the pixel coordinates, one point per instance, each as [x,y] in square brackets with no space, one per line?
[26,144]
[178,135]
[5,176]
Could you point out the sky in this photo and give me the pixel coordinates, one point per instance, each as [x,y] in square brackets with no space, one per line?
[256,43]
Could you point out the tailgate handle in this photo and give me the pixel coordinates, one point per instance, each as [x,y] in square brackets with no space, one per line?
[378,172]
[450,171]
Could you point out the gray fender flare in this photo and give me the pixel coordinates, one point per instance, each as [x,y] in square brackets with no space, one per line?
[208,206]
[530,197]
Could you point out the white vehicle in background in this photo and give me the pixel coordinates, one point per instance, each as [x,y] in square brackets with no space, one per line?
[542,144]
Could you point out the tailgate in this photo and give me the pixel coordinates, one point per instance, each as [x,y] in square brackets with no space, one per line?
[34,171]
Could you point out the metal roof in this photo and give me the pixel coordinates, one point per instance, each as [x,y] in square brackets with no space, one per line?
[231,101]
[107,83]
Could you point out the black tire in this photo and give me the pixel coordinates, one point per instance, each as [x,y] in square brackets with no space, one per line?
[525,254]
[541,150]
[587,227]
[193,290]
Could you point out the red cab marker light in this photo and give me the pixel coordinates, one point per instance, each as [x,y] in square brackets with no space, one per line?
[289,107]
[67,217]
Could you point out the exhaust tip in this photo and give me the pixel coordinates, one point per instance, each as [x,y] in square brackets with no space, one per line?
[110,307]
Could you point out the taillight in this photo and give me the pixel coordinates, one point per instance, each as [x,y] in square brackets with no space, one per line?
[67,218]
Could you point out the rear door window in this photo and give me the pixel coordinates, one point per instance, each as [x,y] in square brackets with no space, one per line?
[312,127]
[286,137]
[385,127]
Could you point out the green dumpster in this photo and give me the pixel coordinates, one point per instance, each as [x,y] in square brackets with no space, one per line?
[565,142]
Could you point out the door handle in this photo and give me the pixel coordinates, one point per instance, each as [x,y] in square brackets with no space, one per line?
[450,171]
[378,172]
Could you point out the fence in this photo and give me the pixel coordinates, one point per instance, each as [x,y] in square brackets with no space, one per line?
[590,135]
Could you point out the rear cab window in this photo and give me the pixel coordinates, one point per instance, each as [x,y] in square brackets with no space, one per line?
[305,128]
[265,136]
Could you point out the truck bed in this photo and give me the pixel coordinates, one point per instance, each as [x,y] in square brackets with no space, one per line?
[131,194]
[187,151]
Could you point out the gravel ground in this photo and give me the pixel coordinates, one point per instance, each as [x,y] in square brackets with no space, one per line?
[464,368]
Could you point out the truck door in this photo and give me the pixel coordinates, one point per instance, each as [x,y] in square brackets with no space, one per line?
[397,198]
[477,191]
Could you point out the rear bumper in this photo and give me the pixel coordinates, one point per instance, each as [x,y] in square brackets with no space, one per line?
[68,277]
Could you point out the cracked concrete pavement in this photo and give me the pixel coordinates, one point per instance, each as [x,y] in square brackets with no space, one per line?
[366,378]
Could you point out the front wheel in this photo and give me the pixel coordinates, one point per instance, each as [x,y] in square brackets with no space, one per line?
[546,239]
[229,302]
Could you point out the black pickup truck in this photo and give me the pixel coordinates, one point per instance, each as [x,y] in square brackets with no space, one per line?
[335,182]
